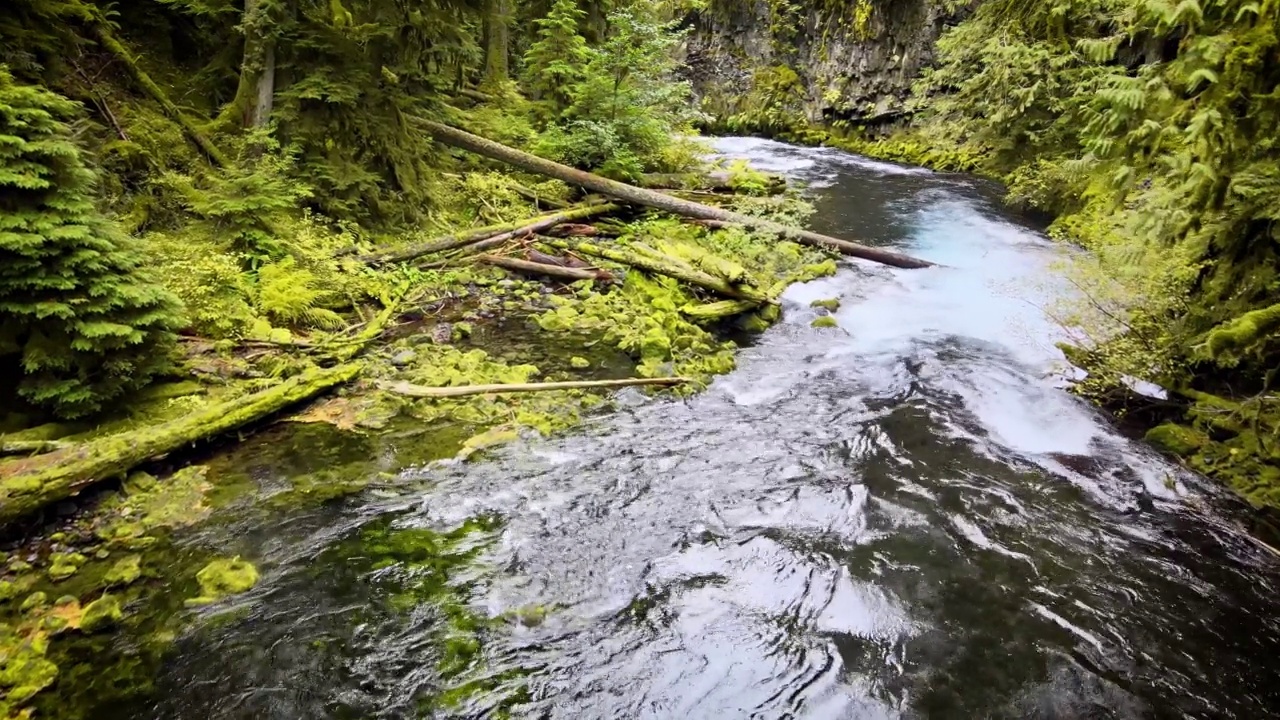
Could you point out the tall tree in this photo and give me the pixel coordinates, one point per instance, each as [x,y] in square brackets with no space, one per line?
[497,23]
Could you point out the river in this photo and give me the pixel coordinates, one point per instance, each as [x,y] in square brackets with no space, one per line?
[905,516]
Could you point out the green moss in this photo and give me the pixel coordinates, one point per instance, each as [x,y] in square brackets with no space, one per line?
[34,600]
[124,571]
[826,321]
[579,363]
[24,669]
[64,565]
[224,577]
[1176,439]
[101,614]
[832,304]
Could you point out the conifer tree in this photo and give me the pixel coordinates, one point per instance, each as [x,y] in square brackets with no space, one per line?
[79,319]
[555,63]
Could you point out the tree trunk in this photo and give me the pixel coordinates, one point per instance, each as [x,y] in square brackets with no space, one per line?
[497,42]
[536,268]
[515,229]
[639,196]
[659,266]
[420,391]
[29,484]
[255,91]
[266,95]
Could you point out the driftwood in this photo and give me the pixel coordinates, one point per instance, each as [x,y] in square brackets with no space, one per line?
[504,231]
[661,201]
[28,484]
[663,266]
[536,268]
[420,391]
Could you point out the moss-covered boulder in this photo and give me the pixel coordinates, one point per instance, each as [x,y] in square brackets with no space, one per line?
[831,305]
[101,613]
[1176,439]
[826,321]
[124,571]
[64,565]
[224,577]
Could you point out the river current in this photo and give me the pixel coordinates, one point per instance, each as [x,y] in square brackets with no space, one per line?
[906,516]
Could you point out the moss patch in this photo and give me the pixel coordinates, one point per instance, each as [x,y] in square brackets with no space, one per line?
[224,577]
[826,321]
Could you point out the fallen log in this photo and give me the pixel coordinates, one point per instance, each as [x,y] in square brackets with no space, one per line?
[536,268]
[661,201]
[710,312]
[679,271]
[420,391]
[505,230]
[29,447]
[537,198]
[28,484]
[718,181]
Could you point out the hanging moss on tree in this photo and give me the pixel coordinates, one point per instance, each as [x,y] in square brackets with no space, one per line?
[78,315]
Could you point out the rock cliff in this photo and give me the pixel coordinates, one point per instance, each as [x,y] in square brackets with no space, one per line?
[819,60]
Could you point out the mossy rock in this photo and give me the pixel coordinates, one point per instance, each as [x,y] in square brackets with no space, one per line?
[34,600]
[124,571]
[1176,439]
[579,363]
[753,323]
[64,565]
[826,321]
[224,577]
[831,305]
[24,669]
[101,613]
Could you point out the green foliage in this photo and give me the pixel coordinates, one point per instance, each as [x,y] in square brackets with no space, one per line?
[246,201]
[618,103]
[1149,127]
[78,313]
[556,62]
[773,105]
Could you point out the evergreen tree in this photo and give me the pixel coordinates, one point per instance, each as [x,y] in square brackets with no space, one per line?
[78,316]
[556,62]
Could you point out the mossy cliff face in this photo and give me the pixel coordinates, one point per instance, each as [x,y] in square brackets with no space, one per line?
[821,60]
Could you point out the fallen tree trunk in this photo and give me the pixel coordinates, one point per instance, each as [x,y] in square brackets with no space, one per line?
[506,231]
[680,271]
[661,201]
[102,33]
[711,312]
[536,268]
[28,484]
[30,447]
[537,198]
[420,391]
[720,180]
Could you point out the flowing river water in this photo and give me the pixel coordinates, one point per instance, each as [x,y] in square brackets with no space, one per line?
[906,516]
